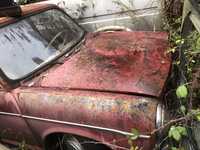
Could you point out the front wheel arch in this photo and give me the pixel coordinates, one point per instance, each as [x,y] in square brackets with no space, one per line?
[88,144]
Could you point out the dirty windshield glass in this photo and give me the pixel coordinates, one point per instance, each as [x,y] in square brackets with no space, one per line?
[32,42]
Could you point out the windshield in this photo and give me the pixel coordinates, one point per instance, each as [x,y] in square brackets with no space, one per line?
[30,43]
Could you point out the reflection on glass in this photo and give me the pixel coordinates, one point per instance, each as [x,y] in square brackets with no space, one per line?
[34,41]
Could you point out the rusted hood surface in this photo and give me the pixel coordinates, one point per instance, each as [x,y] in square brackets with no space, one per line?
[133,62]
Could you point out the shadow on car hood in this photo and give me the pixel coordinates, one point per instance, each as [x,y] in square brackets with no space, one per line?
[130,62]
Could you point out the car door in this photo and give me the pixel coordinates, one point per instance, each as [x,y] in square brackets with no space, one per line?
[12,126]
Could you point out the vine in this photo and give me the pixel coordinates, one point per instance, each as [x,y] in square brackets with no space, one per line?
[186,66]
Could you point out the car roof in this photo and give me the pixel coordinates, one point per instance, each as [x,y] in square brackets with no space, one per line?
[27,10]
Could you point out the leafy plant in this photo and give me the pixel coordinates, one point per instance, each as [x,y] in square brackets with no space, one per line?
[177,132]
[133,137]
[181,91]
[185,53]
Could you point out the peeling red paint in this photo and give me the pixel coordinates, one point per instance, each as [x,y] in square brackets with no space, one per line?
[114,111]
[134,62]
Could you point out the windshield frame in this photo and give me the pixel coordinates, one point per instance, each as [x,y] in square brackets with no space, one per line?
[43,66]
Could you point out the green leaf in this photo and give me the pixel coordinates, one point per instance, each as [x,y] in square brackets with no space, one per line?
[172,50]
[179,41]
[193,61]
[135,134]
[181,91]
[174,133]
[198,117]
[178,62]
[182,130]
[170,131]
[183,109]
[195,113]
[174,148]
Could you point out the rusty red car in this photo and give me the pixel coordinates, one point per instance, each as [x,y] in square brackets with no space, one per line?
[64,89]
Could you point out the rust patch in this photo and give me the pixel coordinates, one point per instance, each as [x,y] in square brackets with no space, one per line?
[114,111]
[125,62]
